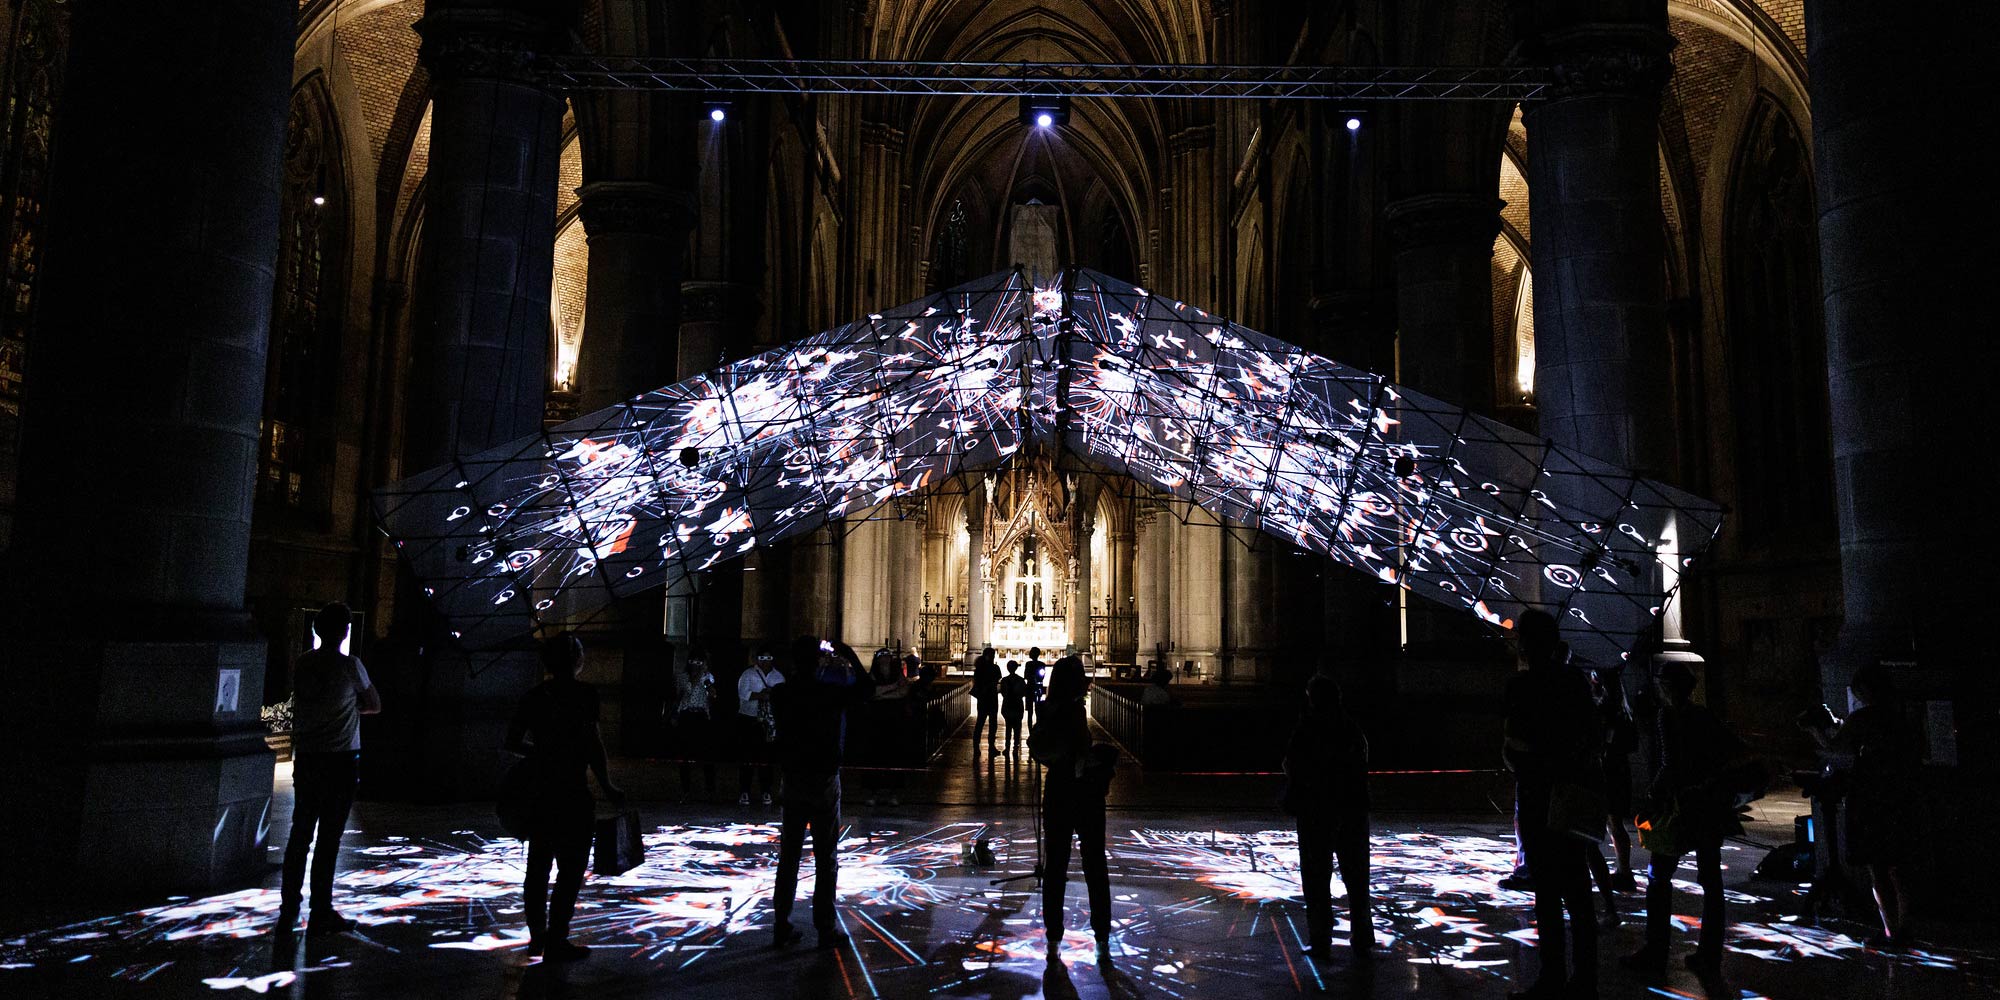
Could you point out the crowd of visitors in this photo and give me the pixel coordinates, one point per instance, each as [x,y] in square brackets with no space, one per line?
[1570,734]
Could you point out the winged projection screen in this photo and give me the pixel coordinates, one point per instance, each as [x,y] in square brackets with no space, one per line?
[1337,461]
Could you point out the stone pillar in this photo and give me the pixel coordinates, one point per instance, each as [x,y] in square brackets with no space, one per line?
[1444,295]
[1246,558]
[1904,184]
[1082,597]
[489,230]
[135,756]
[978,600]
[1197,589]
[716,320]
[637,231]
[815,583]
[1147,535]
[482,345]
[867,580]
[1444,330]
[1603,374]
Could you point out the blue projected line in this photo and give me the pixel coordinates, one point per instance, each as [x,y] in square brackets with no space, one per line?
[894,941]
[1310,965]
[854,946]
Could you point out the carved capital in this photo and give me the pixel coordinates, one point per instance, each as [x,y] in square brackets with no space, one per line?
[882,134]
[718,302]
[1429,220]
[642,207]
[466,43]
[1190,139]
[1592,59]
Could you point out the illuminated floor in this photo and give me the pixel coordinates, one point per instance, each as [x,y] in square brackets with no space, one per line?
[1205,907]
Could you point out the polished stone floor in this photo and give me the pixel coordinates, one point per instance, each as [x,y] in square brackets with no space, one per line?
[1205,891]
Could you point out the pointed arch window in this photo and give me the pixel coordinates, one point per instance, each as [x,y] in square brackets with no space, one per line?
[36,47]
[948,266]
[295,453]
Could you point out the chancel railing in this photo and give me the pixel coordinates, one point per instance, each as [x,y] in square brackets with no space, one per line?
[944,635]
[1115,638]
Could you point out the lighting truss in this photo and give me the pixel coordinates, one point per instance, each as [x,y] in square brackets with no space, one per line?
[978,79]
[1337,461]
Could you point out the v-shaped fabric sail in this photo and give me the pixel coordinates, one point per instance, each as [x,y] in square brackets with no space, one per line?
[1337,461]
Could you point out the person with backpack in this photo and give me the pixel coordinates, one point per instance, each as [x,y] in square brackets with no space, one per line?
[1013,703]
[1326,788]
[1692,808]
[1073,794]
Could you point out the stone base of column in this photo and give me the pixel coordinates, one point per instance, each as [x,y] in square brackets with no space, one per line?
[443,726]
[137,767]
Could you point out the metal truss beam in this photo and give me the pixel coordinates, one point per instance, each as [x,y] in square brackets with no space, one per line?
[996,79]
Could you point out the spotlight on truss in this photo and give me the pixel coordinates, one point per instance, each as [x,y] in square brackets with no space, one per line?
[716,109]
[1044,111]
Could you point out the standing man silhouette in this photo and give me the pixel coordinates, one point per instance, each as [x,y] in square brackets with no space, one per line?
[330,693]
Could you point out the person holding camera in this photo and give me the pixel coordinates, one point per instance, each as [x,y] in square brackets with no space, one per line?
[1875,753]
[756,726]
[693,711]
[824,681]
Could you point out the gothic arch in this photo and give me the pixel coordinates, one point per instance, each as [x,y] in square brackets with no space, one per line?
[1775,345]
[295,464]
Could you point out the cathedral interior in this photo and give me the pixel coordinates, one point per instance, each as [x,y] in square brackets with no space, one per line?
[266,259]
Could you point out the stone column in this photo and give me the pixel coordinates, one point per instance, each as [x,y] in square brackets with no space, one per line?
[135,756]
[978,600]
[489,230]
[1197,595]
[867,580]
[483,353]
[1603,374]
[1444,329]
[1247,571]
[1904,182]
[1147,532]
[1081,598]
[1444,295]
[716,319]
[637,231]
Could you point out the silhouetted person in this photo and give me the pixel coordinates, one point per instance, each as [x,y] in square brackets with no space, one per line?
[1326,773]
[555,728]
[1549,741]
[1037,676]
[1879,753]
[1013,702]
[756,726]
[1157,692]
[986,701]
[330,693]
[1618,736]
[1073,792]
[1689,795]
[824,681]
[694,723]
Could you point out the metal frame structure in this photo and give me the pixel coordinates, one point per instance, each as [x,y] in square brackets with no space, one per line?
[1116,381]
[1362,84]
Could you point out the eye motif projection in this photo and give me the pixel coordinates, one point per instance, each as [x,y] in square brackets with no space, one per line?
[1337,461]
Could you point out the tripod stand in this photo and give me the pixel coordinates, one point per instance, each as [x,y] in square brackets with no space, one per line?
[1036,812]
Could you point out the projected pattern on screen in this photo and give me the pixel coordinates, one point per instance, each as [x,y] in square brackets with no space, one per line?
[1337,461]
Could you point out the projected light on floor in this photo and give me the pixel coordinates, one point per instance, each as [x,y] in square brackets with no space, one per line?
[1189,907]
